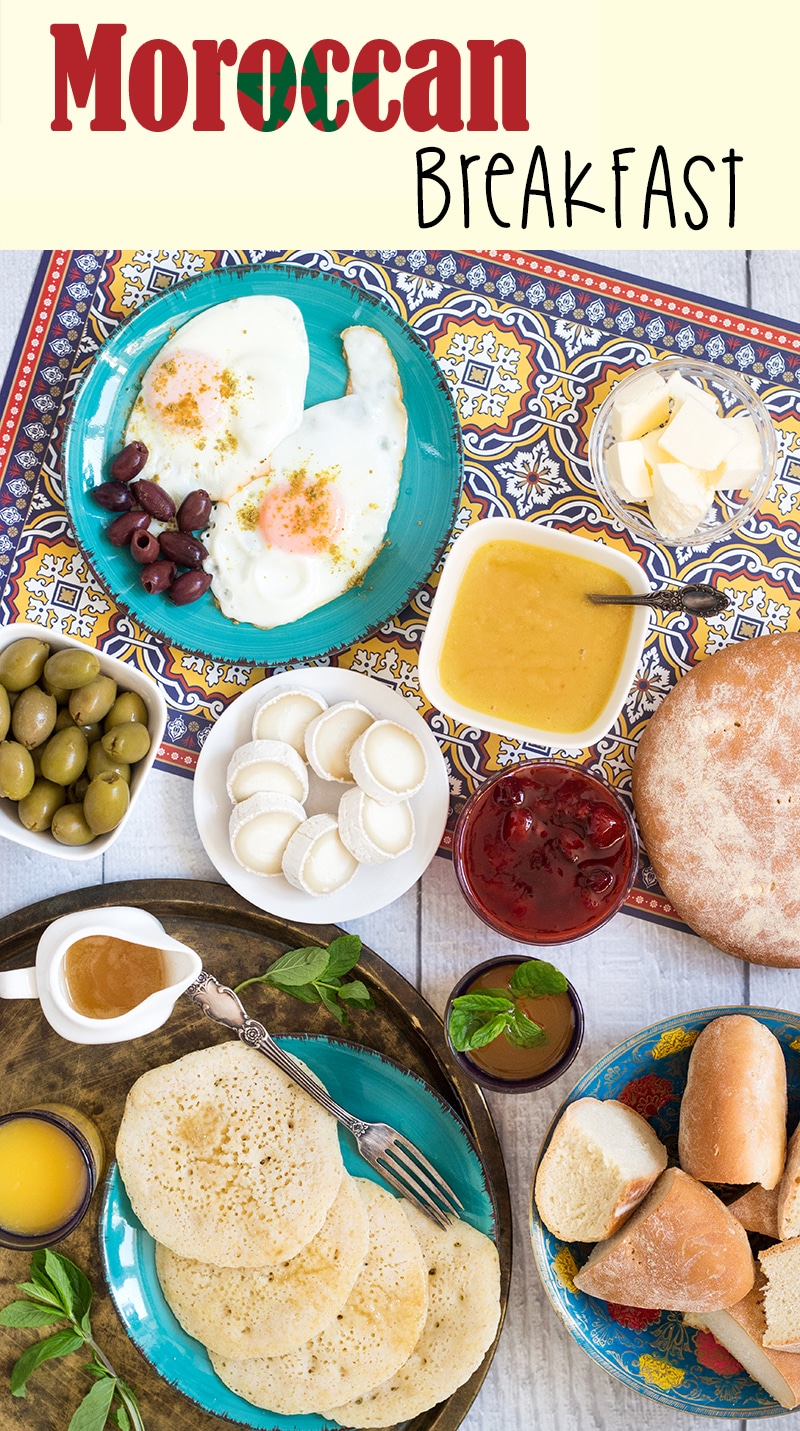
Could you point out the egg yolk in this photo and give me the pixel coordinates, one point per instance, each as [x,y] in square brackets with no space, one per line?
[188,392]
[302,516]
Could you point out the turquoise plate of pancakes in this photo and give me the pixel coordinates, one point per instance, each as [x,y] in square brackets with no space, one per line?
[371,1087]
[430,483]
[653,1351]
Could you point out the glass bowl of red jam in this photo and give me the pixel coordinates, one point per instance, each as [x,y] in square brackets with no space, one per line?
[545,852]
[503,1066]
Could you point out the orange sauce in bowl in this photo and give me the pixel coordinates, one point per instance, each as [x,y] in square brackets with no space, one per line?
[524,645]
[107,977]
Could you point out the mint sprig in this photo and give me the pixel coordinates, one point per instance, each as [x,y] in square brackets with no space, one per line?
[316,976]
[58,1291]
[477,1019]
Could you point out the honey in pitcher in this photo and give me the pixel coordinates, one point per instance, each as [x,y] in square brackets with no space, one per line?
[107,977]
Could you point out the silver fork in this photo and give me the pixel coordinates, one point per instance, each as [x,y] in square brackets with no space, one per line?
[387,1151]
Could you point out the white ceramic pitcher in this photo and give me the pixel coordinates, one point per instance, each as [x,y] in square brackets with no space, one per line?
[46,981]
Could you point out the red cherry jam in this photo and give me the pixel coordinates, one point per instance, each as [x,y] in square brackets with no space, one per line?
[545,852]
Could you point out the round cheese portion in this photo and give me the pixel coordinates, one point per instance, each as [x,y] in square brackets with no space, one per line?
[264,767]
[261,828]
[331,737]
[373,832]
[388,762]
[716,787]
[285,714]
[315,860]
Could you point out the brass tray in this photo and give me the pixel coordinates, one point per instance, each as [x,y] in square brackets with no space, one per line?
[235,941]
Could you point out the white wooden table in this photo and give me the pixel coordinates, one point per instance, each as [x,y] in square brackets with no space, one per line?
[629,974]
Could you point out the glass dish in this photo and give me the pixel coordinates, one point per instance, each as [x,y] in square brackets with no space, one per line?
[729,509]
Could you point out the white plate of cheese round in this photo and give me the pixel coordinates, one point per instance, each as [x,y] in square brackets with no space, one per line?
[373,886]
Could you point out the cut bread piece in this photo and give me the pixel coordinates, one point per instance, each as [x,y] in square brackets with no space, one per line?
[757,1210]
[741,1331]
[602,1160]
[781,1266]
[680,1251]
[733,1111]
[788,1217]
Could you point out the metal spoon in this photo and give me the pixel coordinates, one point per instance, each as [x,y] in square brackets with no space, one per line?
[697,600]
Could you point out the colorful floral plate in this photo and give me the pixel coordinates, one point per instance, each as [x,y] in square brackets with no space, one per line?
[430,485]
[372,1087]
[649,1350]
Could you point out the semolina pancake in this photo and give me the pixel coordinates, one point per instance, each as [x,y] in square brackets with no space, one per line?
[373,1334]
[265,1311]
[463,1316]
[222,1154]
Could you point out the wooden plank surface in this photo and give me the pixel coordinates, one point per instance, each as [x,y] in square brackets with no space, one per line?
[628,974]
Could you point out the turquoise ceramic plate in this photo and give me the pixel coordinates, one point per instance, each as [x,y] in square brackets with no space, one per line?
[649,1350]
[372,1087]
[429,487]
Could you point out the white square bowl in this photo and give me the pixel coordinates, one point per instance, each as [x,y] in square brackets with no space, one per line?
[494,529]
[128,678]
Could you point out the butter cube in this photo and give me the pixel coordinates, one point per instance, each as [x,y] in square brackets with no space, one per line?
[697,438]
[743,463]
[681,499]
[680,390]
[651,448]
[643,406]
[628,472]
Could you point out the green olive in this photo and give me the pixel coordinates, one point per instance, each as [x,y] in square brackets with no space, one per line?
[65,755]
[71,669]
[63,719]
[92,703]
[69,826]
[16,770]
[128,706]
[37,808]
[77,790]
[5,713]
[129,742]
[36,757]
[101,763]
[34,717]
[105,802]
[22,663]
[61,695]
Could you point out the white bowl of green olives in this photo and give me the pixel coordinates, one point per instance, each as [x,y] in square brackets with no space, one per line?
[79,732]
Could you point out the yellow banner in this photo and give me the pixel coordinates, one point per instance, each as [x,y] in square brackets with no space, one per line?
[586,124]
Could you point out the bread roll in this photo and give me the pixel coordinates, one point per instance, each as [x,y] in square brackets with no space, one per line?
[788,1218]
[603,1158]
[741,1331]
[716,786]
[781,1266]
[757,1211]
[733,1111]
[680,1251]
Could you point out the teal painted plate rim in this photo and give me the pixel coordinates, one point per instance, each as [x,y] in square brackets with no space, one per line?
[602,1338]
[372,1086]
[430,485]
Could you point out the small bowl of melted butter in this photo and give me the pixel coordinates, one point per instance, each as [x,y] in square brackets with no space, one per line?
[513,645]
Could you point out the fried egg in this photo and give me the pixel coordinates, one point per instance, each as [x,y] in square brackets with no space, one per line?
[300,536]
[221,394]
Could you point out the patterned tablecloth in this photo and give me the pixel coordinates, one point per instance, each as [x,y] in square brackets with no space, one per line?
[530,345]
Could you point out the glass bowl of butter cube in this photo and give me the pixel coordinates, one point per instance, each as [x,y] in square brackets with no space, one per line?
[682,452]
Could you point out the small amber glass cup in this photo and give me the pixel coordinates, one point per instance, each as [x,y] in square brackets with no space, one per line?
[495,1082]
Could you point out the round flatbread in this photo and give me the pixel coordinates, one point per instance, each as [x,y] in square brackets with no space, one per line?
[368,1340]
[220,1152]
[716,786]
[463,1317]
[265,1311]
